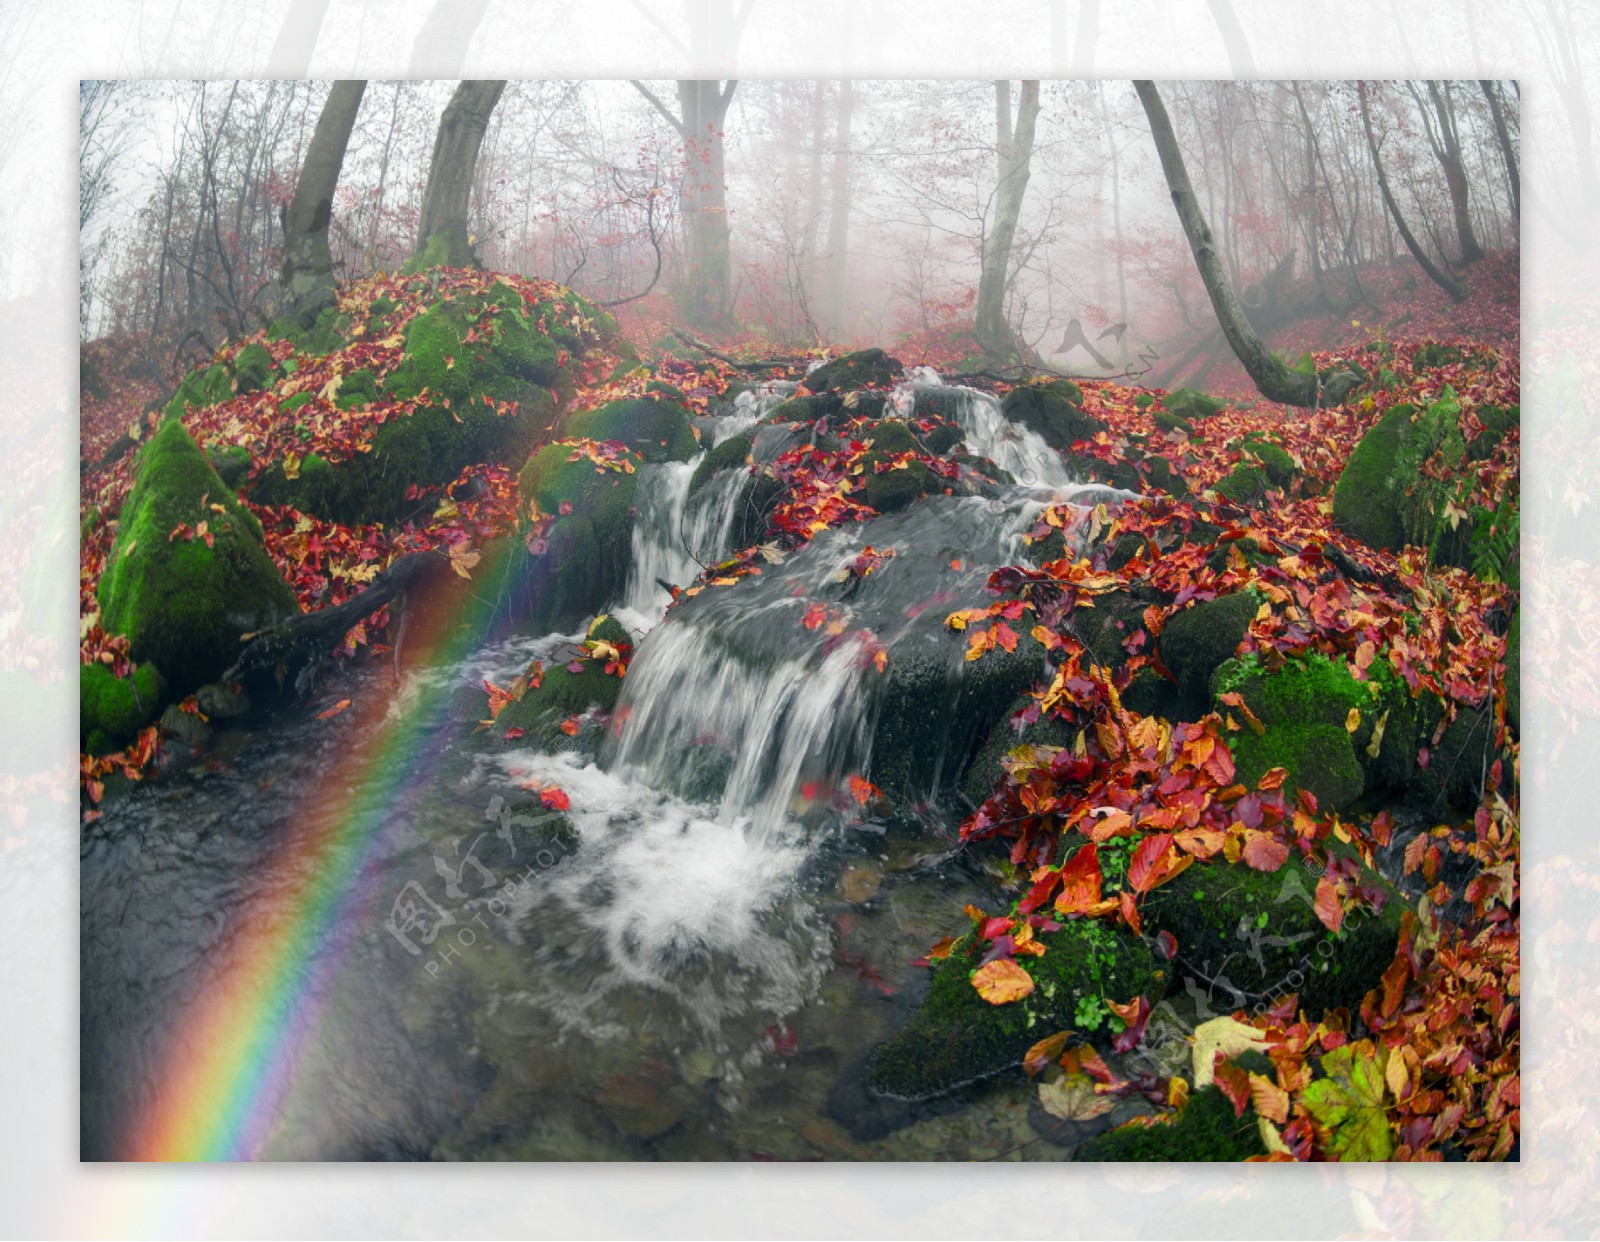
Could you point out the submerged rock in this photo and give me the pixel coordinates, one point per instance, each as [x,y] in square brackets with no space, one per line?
[189,573]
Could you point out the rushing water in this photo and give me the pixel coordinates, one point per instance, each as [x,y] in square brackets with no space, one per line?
[698,976]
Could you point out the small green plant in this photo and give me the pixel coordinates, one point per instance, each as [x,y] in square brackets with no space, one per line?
[1091,1013]
[1495,543]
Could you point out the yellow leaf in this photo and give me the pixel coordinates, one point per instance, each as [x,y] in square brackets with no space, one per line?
[1222,1035]
[1270,1138]
[1377,736]
[462,561]
[1352,722]
[1002,981]
[447,509]
[1073,1098]
[330,390]
[291,466]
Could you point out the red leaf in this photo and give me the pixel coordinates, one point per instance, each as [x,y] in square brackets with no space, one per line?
[1152,863]
[1080,879]
[1234,1083]
[334,710]
[555,799]
[513,734]
[1330,910]
[1264,852]
[1134,1015]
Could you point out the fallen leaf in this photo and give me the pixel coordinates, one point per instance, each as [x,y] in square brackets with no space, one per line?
[1002,981]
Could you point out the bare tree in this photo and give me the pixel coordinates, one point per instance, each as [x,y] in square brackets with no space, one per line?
[1014,148]
[1276,381]
[1446,146]
[707,295]
[306,274]
[1508,154]
[442,236]
[1452,286]
[839,212]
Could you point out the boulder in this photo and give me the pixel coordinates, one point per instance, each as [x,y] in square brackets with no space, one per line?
[112,709]
[1053,412]
[862,369]
[1191,404]
[1206,1129]
[189,573]
[957,1037]
[654,426]
[1255,935]
[1383,497]
[1196,641]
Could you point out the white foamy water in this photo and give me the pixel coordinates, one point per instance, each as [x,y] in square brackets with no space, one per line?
[674,537]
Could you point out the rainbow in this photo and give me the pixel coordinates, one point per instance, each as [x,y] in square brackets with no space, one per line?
[236,1055]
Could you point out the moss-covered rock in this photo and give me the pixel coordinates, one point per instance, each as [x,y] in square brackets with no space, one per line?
[732,454]
[1257,932]
[1151,694]
[1053,412]
[323,335]
[253,368]
[657,428]
[181,602]
[1206,1129]
[112,709]
[204,386]
[1168,421]
[231,462]
[987,767]
[1305,709]
[1196,641]
[1383,497]
[359,388]
[957,1037]
[561,695]
[862,369]
[891,489]
[1191,404]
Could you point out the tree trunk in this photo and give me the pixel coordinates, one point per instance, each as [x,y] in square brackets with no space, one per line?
[1455,173]
[839,214]
[1015,149]
[1507,153]
[306,276]
[1276,381]
[1116,209]
[1456,290]
[707,294]
[442,238]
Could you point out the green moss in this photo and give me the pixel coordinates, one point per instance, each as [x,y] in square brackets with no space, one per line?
[507,350]
[113,709]
[957,1037]
[731,454]
[1053,412]
[1383,497]
[1245,484]
[561,695]
[986,768]
[292,403]
[181,603]
[655,428]
[866,367]
[231,462]
[1258,932]
[359,388]
[1191,404]
[1305,707]
[1151,694]
[889,436]
[1197,640]
[1168,421]
[897,488]
[1206,1129]
[202,387]
[253,368]
[1144,400]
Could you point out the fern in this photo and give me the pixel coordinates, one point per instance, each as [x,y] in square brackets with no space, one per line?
[1495,542]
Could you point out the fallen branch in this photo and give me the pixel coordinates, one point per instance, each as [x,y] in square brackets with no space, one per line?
[734,362]
[302,642]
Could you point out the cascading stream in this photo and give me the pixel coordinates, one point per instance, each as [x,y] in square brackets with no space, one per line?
[674,535]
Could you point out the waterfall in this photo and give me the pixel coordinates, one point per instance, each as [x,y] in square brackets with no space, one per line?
[987,431]
[674,536]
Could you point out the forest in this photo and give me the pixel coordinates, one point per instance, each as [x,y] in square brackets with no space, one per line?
[800,619]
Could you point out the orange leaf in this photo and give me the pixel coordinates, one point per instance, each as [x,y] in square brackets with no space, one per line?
[1271,1100]
[1329,909]
[1038,1057]
[334,710]
[570,726]
[1002,981]
[1080,881]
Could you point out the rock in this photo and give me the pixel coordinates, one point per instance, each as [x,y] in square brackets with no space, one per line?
[181,602]
[112,709]
[1197,640]
[1168,421]
[1305,709]
[641,1107]
[859,884]
[202,387]
[732,454]
[957,1037]
[231,462]
[561,695]
[1052,411]
[1383,496]
[253,368]
[1206,1129]
[656,427]
[862,369]
[184,727]
[1257,933]
[987,766]
[222,702]
[890,489]
[1191,404]
[1458,763]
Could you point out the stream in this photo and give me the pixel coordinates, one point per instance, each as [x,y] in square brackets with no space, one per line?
[699,976]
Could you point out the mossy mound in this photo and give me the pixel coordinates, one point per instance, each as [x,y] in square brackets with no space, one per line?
[1166,420]
[898,487]
[253,368]
[561,696]
[358,389]
[957,1037]
[322,335]
[863,369]
[1383,497]
[112,709]
[231,462]
[182,603]
[1053,412]
[583,557]
[732,454]
[204,386]
[1305,709]
[1257,932]
[1207,1129]
[1191,404]
[657,428]
[1196,641]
